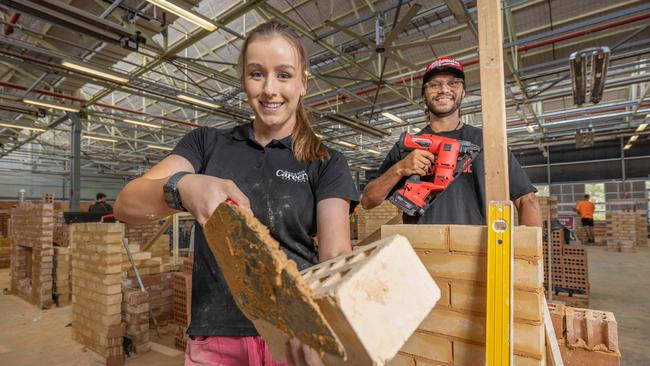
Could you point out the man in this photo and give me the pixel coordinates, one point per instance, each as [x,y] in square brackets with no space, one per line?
[100,205]
[463,202]
[585,209]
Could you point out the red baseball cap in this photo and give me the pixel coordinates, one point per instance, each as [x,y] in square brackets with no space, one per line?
[443,64]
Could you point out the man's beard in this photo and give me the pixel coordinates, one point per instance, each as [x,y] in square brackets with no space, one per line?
[432,109]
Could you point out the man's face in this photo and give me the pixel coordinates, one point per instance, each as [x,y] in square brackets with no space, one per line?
[443,94]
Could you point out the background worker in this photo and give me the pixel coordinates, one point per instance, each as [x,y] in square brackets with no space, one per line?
[100,205]
[463,201]
[585,209]
[277,167]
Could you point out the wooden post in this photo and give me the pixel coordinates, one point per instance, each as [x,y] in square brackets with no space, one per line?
[495,143]
[499,326]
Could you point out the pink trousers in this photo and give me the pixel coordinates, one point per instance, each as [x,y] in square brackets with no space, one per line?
[228,351]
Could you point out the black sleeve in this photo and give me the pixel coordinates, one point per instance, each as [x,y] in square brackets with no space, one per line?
[519,182]
[192,147]
[393,157]
[335,181]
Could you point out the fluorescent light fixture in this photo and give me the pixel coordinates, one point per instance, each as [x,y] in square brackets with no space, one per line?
[357,125]
[160,147]
[344,143]
[198,101]
[11,125]
[95,72]
[99,138]
[188,15]
[366,167]
[415,130]
[530,128]
[373,152]
[641,127]
[319,135]
[140,123]
[627,147]
[45,104]
[392,117]
[634,138]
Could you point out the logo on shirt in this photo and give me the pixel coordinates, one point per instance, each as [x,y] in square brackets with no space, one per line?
[298,177]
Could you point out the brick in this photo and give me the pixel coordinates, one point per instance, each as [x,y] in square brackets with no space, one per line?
[431,237]
[528,274]
[401,360]
[581,356]
[455,324]
[385,279]
[471,297]
[429,346]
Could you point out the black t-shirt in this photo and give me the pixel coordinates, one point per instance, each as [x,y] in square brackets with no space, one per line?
[283,194]
[463,202]
[100,207]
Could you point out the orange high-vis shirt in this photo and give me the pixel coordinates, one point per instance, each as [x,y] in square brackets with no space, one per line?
[586,209]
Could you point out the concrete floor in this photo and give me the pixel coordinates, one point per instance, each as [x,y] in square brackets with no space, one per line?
[33,337]
[620,283]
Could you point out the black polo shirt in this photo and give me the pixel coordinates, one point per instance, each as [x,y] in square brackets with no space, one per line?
[283,194]
[463,202]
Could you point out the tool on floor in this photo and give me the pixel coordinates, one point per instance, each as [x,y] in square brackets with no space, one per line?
[452,157]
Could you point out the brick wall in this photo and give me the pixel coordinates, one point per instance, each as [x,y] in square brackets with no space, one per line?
[5,252]
[141,233]
[61,274]
[135,315]
[621,230]
[544,203]
[4,224]
[97,288]
[32,251]
[61,230]
[370,220]
[454,332]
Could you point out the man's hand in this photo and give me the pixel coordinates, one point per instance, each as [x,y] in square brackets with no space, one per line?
[299,354]
[417,162]
[201,194]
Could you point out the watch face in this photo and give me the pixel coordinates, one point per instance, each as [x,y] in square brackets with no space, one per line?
[168,193]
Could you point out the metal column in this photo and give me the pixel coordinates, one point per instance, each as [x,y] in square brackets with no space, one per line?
[75,161]
[623,166]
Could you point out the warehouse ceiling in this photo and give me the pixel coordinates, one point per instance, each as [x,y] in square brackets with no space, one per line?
[143,77]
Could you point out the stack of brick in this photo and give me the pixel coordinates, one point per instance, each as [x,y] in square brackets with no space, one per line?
[97,289]
[146,261]
[141,233]
[454,332]
[135,314]
[61,231]
[32,252]
[4,224]
[641,229]
[570,268]
[585,336]
[5,252]
[368,221]
[621,231]
[61,274]
[182,303]
[160,290]
[599,229]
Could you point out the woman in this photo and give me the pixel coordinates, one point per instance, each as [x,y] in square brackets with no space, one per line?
[276,167]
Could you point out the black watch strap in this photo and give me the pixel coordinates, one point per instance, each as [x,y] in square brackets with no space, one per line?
[171,193]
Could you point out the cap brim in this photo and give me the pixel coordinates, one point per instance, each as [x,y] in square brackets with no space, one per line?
[452,70]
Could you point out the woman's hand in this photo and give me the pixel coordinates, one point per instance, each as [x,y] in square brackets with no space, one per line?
[299,354]
[201,194]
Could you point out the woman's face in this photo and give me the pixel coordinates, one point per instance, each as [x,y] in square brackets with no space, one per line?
[273,80]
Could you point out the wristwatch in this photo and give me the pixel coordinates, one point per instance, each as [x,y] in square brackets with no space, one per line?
[171,194]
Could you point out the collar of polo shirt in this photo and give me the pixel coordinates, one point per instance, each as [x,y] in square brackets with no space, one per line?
[245,132]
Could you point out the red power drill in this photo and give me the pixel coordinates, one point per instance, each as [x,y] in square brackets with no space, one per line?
[452,157]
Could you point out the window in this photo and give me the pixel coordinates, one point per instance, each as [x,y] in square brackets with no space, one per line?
[596,191]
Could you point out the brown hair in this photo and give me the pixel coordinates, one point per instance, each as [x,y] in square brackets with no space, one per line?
[306,145]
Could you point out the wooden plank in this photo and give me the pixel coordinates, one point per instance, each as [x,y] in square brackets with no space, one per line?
[495,144]
[552,347]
